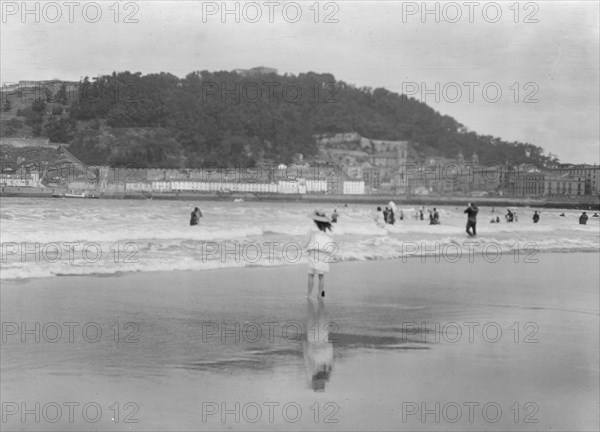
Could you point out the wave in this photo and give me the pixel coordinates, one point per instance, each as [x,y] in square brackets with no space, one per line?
[195,255]
[135,236]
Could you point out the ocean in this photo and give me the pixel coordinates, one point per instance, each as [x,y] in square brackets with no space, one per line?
[51,237]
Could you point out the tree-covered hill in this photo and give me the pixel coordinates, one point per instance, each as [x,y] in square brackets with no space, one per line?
[160,120]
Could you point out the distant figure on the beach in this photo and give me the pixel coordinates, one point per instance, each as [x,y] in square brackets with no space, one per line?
[401,215]
[595,215]
[515,216]
[497,219]
[536,217]
[392,214]
[434,218]
[386,215]
[379,218]
[334,216]
[196,215]
[583,218]
[421,213]
[493,209]
[471,212]
[509,216]
[318,350]
[562,215]
[493,220]
[318,245]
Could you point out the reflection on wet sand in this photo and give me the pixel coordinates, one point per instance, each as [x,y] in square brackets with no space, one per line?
[318,350]
[317,337]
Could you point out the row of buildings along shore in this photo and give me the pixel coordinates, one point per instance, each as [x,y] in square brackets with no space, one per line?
[347,164]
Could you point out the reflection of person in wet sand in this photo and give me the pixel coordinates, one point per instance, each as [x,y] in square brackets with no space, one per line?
[318,350]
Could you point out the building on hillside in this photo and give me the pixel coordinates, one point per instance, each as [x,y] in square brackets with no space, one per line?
[381,152]
[371,176]
[29,142]
[443,176]
[348,140]
[376,162]
[20,179]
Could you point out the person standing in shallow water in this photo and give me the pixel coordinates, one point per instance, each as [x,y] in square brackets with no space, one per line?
[334,216]
[536,217]
[472,211]
[196,215]
[319,246]
[583,219]
[379,218]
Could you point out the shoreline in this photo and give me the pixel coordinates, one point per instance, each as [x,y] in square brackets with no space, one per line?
[589,203]
[177,273]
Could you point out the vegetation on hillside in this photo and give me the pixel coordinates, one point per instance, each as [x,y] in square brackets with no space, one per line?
[160,120]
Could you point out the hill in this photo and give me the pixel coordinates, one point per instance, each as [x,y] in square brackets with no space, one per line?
[160,120]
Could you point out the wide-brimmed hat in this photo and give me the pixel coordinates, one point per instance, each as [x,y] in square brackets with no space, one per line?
[319,216]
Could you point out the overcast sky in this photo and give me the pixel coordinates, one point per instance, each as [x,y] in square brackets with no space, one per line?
[553,63]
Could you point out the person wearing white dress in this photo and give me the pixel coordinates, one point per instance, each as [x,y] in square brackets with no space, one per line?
[379,218]
[319,245]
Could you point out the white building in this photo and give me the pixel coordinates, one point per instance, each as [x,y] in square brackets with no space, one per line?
[202,186]
[353,188]
[288,187]
[139,186]
[421,190]
[161,185]
[20,180]
[316,186]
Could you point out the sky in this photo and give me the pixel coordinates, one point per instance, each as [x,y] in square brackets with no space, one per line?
[526,71]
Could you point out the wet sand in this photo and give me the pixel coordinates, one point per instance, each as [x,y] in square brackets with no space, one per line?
[404,336]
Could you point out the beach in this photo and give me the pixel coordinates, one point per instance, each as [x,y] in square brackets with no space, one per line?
[416,345]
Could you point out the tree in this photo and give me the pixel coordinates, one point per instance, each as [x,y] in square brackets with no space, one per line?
[59,131]
[199,122]
[61,96]
[38,105]
[37,129]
